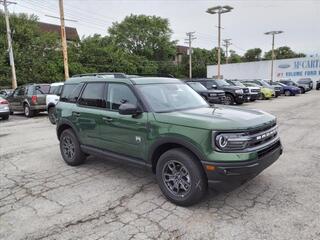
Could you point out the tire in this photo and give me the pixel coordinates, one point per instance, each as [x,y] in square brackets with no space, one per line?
[70,148]
[262,97]
[188,171]
[303,91]
[51,115]
[287,93]
[229,100]
[27,111]
[5,117]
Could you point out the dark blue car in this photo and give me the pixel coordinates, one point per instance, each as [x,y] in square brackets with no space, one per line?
[289,90]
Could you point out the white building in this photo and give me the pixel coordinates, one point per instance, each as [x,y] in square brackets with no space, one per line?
[294,68]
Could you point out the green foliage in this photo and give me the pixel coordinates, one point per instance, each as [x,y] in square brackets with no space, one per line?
[283,53]
[234,57]
[36,56]
[252,55]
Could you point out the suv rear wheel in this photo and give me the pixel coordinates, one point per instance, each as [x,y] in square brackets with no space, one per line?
[181,177]
[70,148]
[27,111]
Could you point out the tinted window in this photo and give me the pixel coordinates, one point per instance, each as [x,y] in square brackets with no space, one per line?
[55,89]
[70,92]
[19,91]
[119,94]
[93,95]
[42,89]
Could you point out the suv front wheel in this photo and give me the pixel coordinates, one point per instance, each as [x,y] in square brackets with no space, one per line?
[181,177]
[70,148]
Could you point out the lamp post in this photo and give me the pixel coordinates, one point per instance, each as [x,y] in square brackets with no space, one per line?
[219,10]
[272,52]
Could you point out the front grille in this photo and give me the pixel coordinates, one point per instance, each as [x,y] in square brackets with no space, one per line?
[255,90]
[245,90]
[269,149]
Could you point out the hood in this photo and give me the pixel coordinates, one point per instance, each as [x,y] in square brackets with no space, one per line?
[217,118]
[215,91]
[230,87]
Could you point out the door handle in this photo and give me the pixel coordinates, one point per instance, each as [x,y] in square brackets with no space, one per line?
[107,119]
[76,114]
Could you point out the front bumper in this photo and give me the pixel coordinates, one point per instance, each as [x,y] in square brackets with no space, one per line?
[255,96]
[227,175]
[239,98]
[278,93]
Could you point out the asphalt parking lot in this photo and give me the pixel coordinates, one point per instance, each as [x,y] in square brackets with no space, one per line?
[43,198]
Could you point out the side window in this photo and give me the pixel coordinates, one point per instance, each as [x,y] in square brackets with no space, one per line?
[119,94]
[70,92]
[19,91]
[93,95]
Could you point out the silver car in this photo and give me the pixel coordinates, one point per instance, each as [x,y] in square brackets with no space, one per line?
[4,108]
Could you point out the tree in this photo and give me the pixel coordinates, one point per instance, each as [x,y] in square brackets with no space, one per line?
[36,56]
[142,35]
[252,55]
[283,53]
[234,57]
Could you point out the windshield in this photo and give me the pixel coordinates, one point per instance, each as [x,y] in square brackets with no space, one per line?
[266,84]
[221,83]
[197,86]
[238,83]
[171,97]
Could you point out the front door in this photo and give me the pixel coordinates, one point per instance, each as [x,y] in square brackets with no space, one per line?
[16,99]
[124,134]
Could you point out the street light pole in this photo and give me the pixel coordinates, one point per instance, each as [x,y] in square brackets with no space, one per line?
[272,51]
[219,10]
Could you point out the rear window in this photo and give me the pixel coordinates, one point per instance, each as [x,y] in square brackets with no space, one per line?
[42,89]
[55,89]
[70,92]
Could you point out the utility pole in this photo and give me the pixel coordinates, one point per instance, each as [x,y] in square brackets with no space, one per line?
[219,10]
[63,38]
[189,40]
[227,43]
[10,49]
[64,41]
[272,52]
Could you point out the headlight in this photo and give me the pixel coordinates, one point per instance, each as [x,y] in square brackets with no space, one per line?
[239,91]
[213,95]
[230,141]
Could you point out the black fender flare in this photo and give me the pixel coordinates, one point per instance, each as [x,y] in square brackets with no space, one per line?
[63,124]
[173,140]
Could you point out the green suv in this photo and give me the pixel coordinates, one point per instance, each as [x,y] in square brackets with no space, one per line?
[164,125]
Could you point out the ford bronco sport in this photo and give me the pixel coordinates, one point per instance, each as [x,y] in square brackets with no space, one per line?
[164,125]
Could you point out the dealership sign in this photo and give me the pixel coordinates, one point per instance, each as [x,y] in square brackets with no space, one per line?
[303,67]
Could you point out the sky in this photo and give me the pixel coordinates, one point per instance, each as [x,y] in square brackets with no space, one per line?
[245,24]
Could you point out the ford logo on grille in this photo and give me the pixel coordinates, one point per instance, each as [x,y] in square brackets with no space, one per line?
[284,65]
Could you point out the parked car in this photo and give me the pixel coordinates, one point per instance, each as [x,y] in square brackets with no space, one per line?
[165,126]
[318,85]
[211,96]
[289,90]
[5,92]
[248,96]
[30,98]
[4,109]
[266,83]
[52,99]
[303,87]
[103,75]
[234,94]
[306,81]
[266,92]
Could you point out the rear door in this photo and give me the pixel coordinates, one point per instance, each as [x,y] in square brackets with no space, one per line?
[87,113]
[124,134]
[16,99]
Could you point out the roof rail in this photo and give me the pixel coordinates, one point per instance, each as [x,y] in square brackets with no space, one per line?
[115,74]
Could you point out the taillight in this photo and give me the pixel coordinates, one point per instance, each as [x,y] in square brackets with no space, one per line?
[2,101]
[34,99]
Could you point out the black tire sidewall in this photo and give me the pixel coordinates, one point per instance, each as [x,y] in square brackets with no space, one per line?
[199,182]
[51,116]
[79,155]
[287,92]
[229,95]
[31,113]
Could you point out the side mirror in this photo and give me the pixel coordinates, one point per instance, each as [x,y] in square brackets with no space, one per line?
[214,86]
[128,109]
